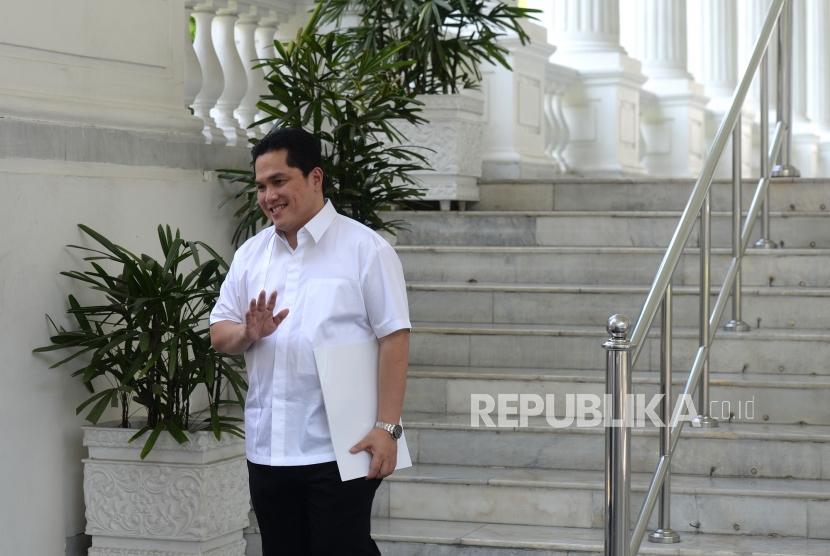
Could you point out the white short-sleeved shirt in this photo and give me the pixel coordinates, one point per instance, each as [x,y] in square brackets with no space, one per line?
[342,284]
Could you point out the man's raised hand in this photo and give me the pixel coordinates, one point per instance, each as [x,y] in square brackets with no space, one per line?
[260,320]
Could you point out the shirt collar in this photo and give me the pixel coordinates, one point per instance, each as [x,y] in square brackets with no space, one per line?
[318,224]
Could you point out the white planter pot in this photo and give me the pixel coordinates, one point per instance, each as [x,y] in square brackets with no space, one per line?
[182,499]
[454,134]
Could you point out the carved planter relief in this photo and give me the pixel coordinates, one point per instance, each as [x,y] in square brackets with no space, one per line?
[454,135]
[182,499]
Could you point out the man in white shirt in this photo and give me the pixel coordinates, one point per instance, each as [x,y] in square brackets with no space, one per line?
[314,278]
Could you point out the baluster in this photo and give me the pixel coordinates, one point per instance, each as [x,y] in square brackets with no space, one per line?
[703,419]
[765,242]
[233,73]
[212,81]
[664,533]
[192,71]
[264,38]
[736,324]
[244,33]
[784,112]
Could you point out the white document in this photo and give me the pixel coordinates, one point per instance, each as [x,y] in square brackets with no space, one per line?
[349,380]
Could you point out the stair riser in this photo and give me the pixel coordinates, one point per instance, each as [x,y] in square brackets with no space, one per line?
[607,268]
[583,507]
[586,451]
[608,231]
[643,196]
[752,404]
[583,352]
[590,308]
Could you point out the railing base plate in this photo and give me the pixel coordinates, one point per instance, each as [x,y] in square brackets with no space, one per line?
[664,536]
[736,326]
[765,244]
[704,421]
[782,171]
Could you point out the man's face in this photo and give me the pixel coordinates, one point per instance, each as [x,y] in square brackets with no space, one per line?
[286,197]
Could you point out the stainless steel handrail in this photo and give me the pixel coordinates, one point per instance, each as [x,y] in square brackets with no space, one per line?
[618,465]
[702,186]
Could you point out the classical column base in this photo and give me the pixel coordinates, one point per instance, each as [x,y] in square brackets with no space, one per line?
[749,138]
[673,126]
[513,144]
[603,114]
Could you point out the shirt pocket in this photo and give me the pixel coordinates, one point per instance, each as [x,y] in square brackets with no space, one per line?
[333,311]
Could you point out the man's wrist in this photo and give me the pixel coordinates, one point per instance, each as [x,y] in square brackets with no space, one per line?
[394,429]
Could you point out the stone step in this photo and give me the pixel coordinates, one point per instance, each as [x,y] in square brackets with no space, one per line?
[729,450]
[417,537]
[748,397]
[570,498]
[606,265]
[774,351]
[594,228]
[642,194]
[774,307]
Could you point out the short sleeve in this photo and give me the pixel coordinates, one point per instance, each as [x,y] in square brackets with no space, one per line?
[228,305]
[384,292]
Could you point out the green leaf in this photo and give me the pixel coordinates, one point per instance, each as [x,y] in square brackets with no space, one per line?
[151,441]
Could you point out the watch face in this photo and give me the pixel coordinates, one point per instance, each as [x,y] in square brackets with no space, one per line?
[397,431]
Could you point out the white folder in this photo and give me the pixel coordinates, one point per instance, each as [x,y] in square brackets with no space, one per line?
[349,380]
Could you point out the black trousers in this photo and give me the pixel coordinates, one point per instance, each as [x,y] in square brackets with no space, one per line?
[306,510]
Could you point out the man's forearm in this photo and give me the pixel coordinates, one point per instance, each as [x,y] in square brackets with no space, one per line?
[393,360]
[229,337]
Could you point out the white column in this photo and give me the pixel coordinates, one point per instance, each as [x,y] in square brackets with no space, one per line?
[805,150]
[818,14]
[719,71]
[212,81]
[245,44]
[192,71]
[673,125]
[603,109]
[233,73]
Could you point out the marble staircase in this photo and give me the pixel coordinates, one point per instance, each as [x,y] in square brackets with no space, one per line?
[512,297]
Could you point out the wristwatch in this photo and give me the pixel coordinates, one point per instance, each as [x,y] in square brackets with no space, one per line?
[395,430]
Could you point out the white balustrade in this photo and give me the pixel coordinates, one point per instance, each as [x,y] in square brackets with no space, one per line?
[212,80]
[233,73]
[244,34]
[557,136]
[192,71]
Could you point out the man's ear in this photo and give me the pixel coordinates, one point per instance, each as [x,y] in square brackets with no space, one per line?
[316,176]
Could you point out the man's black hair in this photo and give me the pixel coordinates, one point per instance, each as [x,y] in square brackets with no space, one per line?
[302,148]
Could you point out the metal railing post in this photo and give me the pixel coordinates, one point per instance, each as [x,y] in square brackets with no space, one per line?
[784,168]
[617,438]
[703,419]
[736,324]
[765,242]
[664,533]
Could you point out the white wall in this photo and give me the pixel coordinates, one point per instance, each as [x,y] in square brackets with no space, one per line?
[41,201]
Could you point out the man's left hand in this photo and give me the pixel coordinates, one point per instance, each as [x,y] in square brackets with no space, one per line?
[384,450]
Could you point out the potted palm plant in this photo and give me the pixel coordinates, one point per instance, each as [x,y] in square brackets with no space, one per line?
[324,83]
[442,44]
[141,344]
